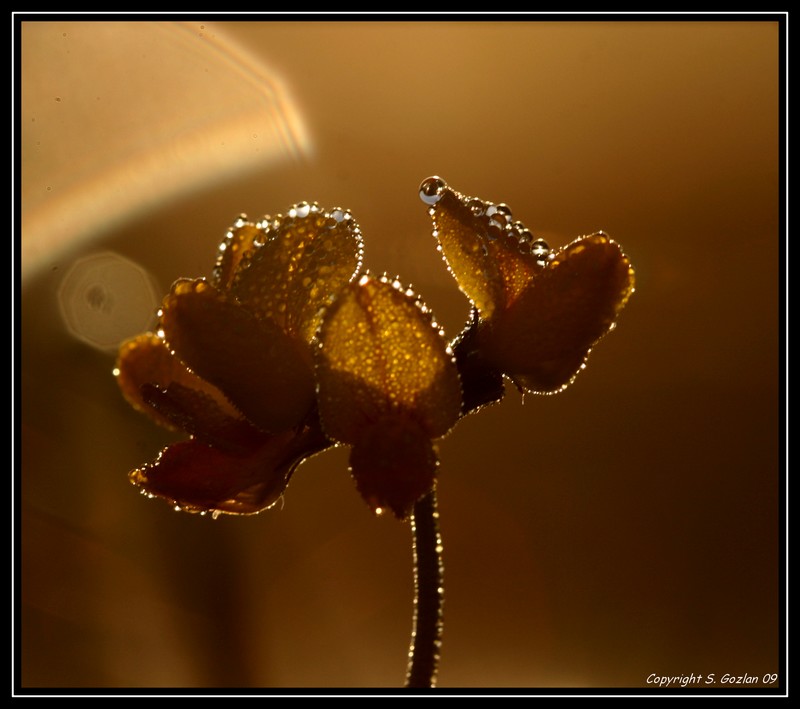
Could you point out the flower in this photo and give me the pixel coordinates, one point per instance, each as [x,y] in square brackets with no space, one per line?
[538,312]
[289,348]
[388,386]
[231,363]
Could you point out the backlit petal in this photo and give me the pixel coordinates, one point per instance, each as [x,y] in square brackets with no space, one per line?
[308,256]
[393,465]
[542,340]
[487,252]
[199,415]
[146,359]
[381,353]
[242,238]
[196,477]
[266,374]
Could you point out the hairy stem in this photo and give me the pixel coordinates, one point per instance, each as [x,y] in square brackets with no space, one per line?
[426,636]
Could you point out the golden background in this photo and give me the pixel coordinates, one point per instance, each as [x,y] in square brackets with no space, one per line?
[629,526]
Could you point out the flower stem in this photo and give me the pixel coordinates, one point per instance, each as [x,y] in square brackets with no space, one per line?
[426,636]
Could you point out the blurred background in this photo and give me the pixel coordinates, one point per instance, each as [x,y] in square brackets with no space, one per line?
[628,527]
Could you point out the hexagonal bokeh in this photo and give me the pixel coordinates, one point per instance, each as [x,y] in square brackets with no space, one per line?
[105,298]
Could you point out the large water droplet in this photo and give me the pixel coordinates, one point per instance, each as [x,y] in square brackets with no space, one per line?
[539,248]
[432,189]
[302,210]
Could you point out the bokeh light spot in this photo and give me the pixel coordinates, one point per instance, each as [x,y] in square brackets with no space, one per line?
[105,298]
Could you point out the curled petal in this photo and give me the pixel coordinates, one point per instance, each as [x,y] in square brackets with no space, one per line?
[308,255]
[266,374]
[381,354]
[543,339]
[393,465]
[146,359]
[196,477]
[488,253]
[242,238]
[196,413]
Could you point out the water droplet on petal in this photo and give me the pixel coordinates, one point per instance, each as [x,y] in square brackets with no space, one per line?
[476,206]
[432,189]
[540,249]
[302,210]
[493,231]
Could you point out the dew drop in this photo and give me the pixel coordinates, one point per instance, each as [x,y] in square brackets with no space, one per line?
[302,210]
[215,514]
[493,231]
[476,206]
[540,249]
[498,220]
[432,189]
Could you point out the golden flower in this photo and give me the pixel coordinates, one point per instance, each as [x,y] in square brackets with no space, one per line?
[538,312]
[232,363]
[289,348]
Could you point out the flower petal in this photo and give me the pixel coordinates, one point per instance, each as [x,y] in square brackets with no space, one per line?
[198,414]
[264,373]
[196,477]
[393,465]
[543,339]
[146,359]
[381,353]
[487,252]
[242,238]
[307,257]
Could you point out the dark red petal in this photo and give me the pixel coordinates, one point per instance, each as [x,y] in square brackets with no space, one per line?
[198,414]
[196,477]
[393,465]
[266,374]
